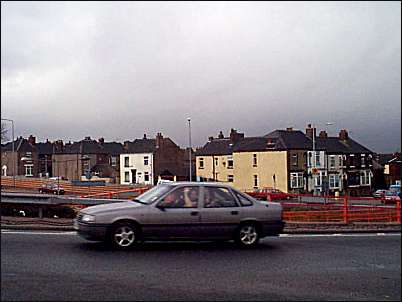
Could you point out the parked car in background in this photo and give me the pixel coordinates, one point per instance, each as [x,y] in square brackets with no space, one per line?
[183,211]
[391,197]
[379,193]
[269,194]
[51,188]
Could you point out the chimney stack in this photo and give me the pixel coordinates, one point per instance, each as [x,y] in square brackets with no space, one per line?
[235,136]
[343,134]
[220,135]
[145,136]
[101,140]
[159,140]
[32,140]
[310,131]
[211,138]
[323,134]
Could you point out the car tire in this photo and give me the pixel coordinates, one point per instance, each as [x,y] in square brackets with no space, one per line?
[124,235]
[247,235]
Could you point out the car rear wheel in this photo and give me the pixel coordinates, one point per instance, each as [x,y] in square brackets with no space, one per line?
[124,235]
[247,235]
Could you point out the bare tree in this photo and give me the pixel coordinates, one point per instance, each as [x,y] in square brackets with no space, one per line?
[4,131]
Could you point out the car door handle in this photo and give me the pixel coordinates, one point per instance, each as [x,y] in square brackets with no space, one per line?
[234,212]
[194,213]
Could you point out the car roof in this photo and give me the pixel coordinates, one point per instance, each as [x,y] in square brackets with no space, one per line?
[198,183]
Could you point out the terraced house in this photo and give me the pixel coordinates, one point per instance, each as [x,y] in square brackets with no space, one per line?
[277,160]
[145,160]
[286,160]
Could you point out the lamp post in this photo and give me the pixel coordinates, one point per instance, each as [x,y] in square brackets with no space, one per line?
[189,140]
[14,158]
[314,162]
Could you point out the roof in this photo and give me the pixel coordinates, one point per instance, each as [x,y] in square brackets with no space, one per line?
[82,147]
[258,144]
[384,159]
[221,146]
[44,148]
[20,144]
[113,148]
[293,139]
[141,146]
[337,145]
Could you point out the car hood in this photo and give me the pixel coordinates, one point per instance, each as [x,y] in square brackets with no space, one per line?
[101,208]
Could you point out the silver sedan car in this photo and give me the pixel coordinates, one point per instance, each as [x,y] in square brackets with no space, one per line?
[182,211]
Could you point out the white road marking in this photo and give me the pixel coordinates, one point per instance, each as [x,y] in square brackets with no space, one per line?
[281,235]
[340,235]
[37,233]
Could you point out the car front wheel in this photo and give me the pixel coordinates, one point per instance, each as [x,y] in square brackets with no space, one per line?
[124,235]
[247,235]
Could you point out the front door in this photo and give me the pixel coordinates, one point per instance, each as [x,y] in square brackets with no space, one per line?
[133,176]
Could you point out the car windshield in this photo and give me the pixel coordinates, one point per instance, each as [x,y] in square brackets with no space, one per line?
[153,194]
[390,193]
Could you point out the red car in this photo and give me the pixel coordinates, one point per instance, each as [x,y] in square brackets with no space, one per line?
[269,194]
[51,189]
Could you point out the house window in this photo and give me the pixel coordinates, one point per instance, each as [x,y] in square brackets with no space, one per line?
[127,176]
[256,181]
[332,161]
[230,162]
[126,161]
[363,161]
[28,170]
[334,181]
[254,160]
[145,160]
[296,180]
[352,160]
[340,157]
[201,163]
[216,162]
[365,178]
[309,155]
[28,154]
[146,176]
[294,159]
[113,161]
[317,159]
[230,178]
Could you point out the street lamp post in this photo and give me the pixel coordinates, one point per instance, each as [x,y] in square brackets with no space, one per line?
[314,162]
[14,159]
[189,151]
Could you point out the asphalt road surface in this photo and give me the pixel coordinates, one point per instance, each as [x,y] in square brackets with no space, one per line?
[45,266]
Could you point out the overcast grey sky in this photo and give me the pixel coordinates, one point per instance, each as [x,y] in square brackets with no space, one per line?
[121,69]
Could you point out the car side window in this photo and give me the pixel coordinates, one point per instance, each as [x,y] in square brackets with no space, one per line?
[216,197]
[244,201]
[183,197]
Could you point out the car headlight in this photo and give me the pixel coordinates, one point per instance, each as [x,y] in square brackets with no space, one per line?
[88,218]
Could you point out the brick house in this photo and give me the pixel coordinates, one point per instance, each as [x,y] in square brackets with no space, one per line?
[23,161]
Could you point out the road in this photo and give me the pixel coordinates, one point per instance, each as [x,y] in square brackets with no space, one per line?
[62,266]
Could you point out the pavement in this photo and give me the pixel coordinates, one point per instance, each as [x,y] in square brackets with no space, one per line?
[64,224]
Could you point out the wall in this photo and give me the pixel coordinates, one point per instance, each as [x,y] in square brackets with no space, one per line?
[136,161]
[215,167]
[268,164]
